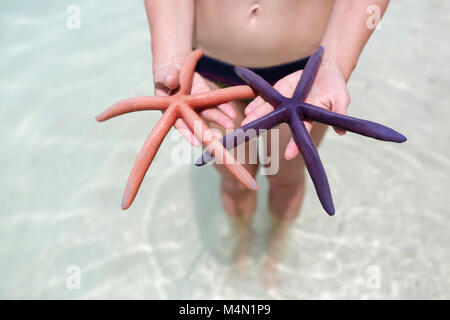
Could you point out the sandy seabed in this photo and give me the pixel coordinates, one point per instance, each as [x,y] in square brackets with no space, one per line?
[63,174]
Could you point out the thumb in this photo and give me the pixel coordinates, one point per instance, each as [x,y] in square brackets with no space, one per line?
[167,76]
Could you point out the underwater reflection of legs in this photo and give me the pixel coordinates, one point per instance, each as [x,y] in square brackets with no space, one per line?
[286,193]
[242,228]
[269,274]
[238,201]
[239,204]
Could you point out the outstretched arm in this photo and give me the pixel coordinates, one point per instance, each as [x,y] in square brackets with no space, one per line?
[172,27]
[350,25]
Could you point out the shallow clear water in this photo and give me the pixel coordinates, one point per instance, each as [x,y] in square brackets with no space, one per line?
[63,174]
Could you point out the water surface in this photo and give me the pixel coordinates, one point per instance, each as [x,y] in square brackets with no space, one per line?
[63,174]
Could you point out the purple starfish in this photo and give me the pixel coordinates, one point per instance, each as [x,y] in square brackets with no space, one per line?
[293,111]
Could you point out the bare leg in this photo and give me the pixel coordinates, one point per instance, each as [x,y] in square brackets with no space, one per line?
[287,186]
[238,201]
[287,189]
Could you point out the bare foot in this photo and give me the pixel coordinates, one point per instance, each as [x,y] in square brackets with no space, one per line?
[241,254]
[269,274]
[243,232]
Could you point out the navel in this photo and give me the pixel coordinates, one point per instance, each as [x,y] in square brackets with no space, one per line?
[255,10]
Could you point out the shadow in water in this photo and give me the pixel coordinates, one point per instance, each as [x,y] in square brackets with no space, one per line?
[243,245]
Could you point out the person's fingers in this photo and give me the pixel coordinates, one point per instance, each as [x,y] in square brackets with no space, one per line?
[166,79]
[308,125]
[199,84]
[221,115]
[161,91]
[258,101]
[186,133]
[291,150]
[228,110]
[216,116]
[258,107]
[257,113]
[167,76]
[171,81]
[286,86]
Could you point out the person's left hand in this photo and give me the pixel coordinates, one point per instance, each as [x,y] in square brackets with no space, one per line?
[328,91]
[166,78]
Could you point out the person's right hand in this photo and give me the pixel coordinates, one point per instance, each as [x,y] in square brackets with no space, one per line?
[329,92]
[166,80]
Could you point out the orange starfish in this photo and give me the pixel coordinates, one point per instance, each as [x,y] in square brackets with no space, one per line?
[183,105]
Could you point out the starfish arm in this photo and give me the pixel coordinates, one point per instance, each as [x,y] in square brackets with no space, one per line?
[360,126]
[188,69]
[146,155]
[309,74]
[132,105]
[247,133]
[209,140]
[219,96]
[312,162]
[264,89]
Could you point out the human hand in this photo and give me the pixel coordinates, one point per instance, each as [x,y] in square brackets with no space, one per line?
[329,91]
[166,78]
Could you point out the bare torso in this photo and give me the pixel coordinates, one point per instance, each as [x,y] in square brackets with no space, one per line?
[260,33]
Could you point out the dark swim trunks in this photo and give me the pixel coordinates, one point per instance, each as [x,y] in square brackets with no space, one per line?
[223,73]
